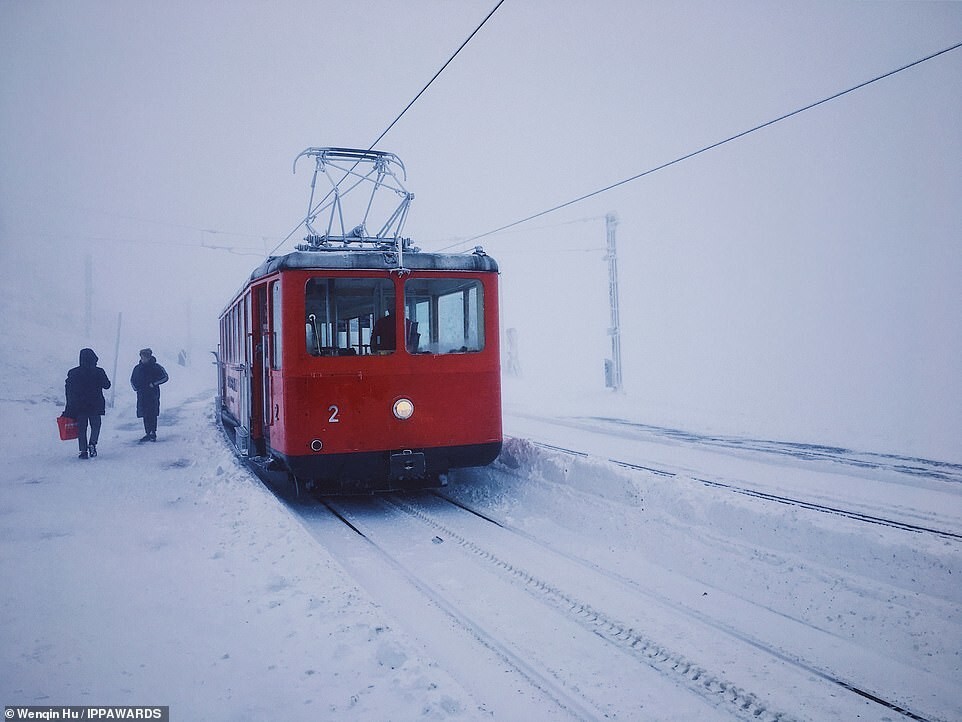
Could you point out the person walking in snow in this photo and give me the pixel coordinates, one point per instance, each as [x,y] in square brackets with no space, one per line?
[84,389]
[146,379]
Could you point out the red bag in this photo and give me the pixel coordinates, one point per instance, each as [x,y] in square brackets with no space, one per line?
[68,428]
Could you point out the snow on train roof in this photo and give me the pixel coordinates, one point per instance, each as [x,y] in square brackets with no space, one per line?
[376,259]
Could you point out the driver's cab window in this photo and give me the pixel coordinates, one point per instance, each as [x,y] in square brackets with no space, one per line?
[444,315]
[344,316]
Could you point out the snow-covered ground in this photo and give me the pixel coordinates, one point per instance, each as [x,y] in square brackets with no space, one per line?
[767,526]
[165,574]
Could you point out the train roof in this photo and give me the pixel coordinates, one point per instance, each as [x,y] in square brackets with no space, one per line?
[357,259]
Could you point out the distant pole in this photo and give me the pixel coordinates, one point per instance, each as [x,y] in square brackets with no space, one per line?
[514,358]
[613,365]
[89,293]
[113,388]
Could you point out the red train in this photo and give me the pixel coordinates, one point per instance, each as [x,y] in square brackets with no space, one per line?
[360,364]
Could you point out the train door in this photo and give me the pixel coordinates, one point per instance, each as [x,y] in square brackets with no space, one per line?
[244,433]
[258,386]
[262,359]
[275,351]
[271,347]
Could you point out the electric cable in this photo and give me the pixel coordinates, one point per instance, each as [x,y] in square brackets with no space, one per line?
[707,148]
[406,109]
[435,77]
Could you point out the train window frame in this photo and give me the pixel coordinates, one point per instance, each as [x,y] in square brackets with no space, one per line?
[446,315]
[346,312]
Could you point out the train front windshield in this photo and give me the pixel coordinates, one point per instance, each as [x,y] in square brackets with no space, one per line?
[448,314]
[341,313]
[356,316]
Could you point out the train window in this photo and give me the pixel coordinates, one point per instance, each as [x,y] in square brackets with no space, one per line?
[248,343]
[349,316]
[277,345]
[235,333]
[444,315]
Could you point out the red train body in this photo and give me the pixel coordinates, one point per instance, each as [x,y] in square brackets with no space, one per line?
[354,372]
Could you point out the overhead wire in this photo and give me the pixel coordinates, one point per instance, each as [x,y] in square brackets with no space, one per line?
[455,240]
[707,148]
[586,196]
[246,250]
[243,251]
[435,76]
[407,107]
[140,241]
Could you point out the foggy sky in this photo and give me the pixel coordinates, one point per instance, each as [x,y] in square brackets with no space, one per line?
[802,282]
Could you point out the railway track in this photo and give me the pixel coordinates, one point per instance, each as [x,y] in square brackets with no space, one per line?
[449,628]
[777,498]
[559,623]
[909,466]
[453,575]
[741,635]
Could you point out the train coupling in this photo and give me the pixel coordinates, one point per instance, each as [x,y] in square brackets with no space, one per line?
[407,464]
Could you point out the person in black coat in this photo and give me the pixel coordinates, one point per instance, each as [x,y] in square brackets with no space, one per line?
[146,379]
[84,389]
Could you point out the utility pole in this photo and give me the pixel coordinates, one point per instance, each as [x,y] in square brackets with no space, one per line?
[513,365]
[113,389]
[613,365]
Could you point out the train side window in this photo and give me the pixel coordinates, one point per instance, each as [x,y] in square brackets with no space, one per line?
[247,344]
[277,328]
[347,316]
[445,315]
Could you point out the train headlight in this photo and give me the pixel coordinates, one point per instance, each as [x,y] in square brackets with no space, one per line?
[403,409]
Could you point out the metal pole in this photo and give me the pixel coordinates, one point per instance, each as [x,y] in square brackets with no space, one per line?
[113,388]
[613,380]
